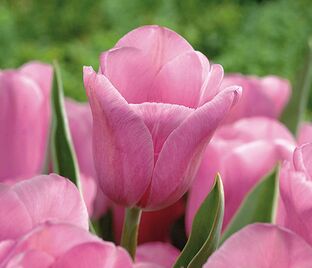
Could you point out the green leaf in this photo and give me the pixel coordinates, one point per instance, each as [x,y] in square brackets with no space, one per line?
[296,109]
[64,158]
[206,229]
[258,206]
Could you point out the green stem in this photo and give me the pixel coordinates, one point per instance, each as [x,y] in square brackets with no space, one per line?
[130,229]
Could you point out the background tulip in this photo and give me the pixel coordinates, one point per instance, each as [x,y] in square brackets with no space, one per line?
[305,133]
[243,153]
[25,120]
[262,246]
[63,245]
[295,208]
[147,154]
[39,199]
[265,96]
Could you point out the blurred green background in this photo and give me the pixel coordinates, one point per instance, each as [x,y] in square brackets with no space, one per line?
[252,37]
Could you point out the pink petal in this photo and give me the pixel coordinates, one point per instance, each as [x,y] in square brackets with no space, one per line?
[95,255]
[305,133]
[34,201]
[123,148]
[180,156]
[162,254]
[31,259]
[262,246]
[161,43]
[295,208]
[303,159]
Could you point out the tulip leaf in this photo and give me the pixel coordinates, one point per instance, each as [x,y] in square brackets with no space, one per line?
[206,229]
[63,156]
[296,109]
[258,206]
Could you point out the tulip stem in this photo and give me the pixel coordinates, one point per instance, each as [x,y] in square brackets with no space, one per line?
[130,229]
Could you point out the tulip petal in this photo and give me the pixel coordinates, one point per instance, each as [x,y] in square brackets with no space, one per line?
[295,209]
[262,246]
[34,201]
[180,156]
[159,253]
[303,159]
[122,144]
[305,133]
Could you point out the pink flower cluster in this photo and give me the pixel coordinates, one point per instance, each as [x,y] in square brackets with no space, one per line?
[160,123]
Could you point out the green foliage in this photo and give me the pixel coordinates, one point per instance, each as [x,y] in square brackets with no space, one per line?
[252,37]
[206,231]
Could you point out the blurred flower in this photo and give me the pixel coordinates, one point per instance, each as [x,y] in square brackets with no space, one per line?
[243,153]
[262,246]
[155,105]
[61,245]
[25,119]
[295,207]
[265,96]
[43,198]
[305,133]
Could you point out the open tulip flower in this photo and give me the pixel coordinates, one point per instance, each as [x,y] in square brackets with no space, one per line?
[156,104]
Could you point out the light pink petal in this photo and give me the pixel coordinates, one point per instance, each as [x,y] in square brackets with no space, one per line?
[295,208]
[180,156]
[95,255]
[89,190]
[130,72]
[278,90]
[122,144]
[305,133]
[146,265]
[303,159]
[34,201]
[41,73]
[5,247]
[162,44]
[179,81]
[163,254]
[23,126]
[262,246]
[31,259]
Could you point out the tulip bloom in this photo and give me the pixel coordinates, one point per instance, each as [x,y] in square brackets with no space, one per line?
[25,118]
[39,199]
[262,246]
[80,124]
[243,153]
[305,133]
[265,96]
[61,245]
[295,208]
[155,105]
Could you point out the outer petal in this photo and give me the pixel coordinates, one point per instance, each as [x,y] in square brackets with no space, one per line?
[122,145]
[303,159]
[162,44]
[305,133]
[295,208]
[37,200]
[95,255]
[262,246]
[162,254]
[22,126]
[180,156]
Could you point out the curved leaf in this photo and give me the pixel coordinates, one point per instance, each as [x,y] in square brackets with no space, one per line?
[206,229]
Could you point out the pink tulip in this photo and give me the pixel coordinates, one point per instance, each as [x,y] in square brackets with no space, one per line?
[163,219]
[155,107]
[305,133]
[265,96]
[80,123]
[243,153]
[62,245]
[161,254]
[295,208]
[30,202]
[262,246]
[25,117]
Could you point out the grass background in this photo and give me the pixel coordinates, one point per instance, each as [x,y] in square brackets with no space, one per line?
[251,37]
